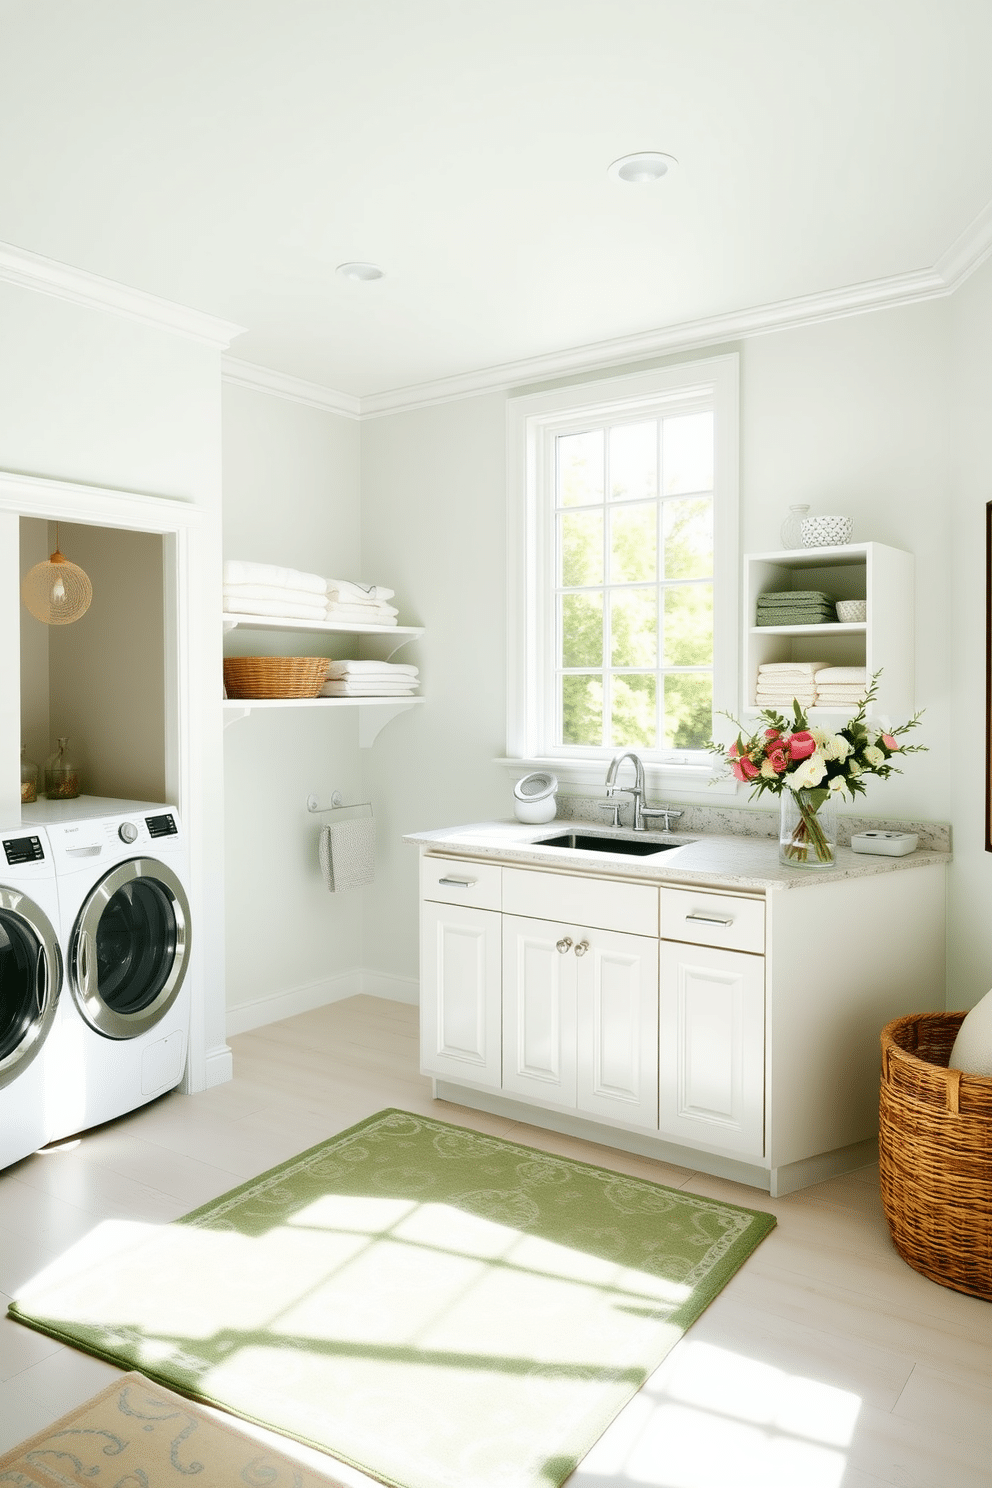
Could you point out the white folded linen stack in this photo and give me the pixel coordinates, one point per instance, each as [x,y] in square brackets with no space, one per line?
[273,591]
[370,679]
[839,687]
[364,604]
[780,683]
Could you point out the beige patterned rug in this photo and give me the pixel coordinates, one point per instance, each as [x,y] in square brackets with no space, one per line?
[135,1434]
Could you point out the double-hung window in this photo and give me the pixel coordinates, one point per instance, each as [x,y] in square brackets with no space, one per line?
[624,556]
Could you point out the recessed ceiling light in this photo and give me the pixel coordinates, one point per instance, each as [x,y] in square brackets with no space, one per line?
[646,165]
[363,271]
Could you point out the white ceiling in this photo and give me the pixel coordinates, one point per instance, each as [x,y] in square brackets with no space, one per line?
[228,154]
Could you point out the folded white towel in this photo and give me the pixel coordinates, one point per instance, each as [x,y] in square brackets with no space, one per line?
[238,571]
[371,606]
[274,593]
[343,688]
[280,609]
[346,589]
[849,689]
[830,676]
[372,668]
[792,668]
[360,615]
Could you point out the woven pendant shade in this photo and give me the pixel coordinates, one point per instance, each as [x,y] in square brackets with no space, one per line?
[56,592]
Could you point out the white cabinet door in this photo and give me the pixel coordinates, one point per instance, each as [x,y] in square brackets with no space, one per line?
[539,978]
[617,1027]
[460,1013]
[711,1039]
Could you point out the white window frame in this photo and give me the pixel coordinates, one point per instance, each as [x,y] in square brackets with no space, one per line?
[532,420]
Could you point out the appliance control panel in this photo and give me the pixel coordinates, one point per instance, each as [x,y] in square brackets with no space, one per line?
[127,832]
[23,850]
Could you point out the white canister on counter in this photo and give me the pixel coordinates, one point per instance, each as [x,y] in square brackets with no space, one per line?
[534,797]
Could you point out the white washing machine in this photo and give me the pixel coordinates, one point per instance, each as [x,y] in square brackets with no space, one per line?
[122,1033]
[30,983]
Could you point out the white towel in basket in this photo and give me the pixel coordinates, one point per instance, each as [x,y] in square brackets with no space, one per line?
[347,854]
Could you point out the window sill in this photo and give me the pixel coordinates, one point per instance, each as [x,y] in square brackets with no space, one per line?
[660,779]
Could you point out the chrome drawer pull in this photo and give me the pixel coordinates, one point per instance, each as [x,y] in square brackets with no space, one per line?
[458,883]
[709,919]
[564,945]
[582,947]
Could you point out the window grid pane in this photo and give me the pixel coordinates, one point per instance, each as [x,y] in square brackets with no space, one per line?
[635,591]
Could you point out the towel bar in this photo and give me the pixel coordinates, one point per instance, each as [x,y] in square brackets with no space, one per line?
[338,803]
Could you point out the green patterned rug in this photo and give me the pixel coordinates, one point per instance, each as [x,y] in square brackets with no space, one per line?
[438,1308]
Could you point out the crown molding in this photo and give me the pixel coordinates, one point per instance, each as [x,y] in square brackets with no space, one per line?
[857,299]
[46,275]
[967,252]
[282,385]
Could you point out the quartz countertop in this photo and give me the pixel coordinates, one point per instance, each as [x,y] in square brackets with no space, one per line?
[704,858]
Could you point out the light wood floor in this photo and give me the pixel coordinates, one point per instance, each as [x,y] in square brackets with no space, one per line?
[825,1363]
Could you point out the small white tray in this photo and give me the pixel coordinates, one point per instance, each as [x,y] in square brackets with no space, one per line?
[887,844]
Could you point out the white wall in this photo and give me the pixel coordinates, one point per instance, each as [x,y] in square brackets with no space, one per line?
[434,529]
[92,397]
[971,875]
[291,496]
[851,416]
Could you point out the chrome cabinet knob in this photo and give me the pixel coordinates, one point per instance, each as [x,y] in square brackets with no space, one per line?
[564,945]
[582,947]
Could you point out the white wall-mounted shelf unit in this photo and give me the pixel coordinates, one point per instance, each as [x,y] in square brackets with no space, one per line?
[374,712]
[881,575]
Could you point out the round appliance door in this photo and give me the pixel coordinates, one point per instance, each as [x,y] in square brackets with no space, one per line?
[130,948]
[30,981]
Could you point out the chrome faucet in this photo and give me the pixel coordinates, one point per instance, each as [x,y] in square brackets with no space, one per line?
[636,790]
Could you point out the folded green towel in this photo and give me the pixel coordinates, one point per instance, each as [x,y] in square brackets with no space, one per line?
[792,597]
[795,617]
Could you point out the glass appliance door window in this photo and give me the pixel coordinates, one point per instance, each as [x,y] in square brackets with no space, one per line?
[130,949]
[30,978]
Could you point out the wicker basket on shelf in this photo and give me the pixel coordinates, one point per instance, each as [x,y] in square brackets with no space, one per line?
[935,1154]
[274,676]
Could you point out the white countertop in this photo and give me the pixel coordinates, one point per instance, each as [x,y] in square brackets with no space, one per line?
[706,858]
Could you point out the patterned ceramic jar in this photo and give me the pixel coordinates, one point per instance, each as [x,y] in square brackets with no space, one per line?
[827,532]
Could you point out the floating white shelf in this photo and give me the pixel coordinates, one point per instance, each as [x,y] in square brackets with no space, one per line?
[374,713]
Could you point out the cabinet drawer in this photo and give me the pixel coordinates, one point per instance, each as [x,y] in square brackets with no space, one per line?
[460,881]
[729,920]
[602,903]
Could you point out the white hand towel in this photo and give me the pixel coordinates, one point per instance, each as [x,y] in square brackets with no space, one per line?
[345,588]
[829,676]
[238,571]
[275,609]
[363,606]
[374,668]
[347,854]
[792,668]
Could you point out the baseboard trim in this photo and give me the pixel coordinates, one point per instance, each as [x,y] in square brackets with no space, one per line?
[219,1066]
[394,988]
[250,1015]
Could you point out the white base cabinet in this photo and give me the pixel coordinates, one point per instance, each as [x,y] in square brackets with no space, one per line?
[732,1032]
[460,970]
[712,1048]
[580,1019]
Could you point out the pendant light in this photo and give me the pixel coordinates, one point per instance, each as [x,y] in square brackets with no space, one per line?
[57,591]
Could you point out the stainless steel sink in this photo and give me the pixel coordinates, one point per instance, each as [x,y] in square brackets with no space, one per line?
[631,846]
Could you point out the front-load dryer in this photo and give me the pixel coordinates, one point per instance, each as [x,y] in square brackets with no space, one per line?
[122,1036]
[30,983]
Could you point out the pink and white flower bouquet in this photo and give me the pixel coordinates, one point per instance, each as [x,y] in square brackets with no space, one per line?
[816,765]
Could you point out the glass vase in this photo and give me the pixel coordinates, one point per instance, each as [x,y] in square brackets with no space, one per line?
[807,832]
[792,527]
[61,775]
[29,779]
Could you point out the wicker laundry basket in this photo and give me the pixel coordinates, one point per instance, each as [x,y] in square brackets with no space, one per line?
[935,1154]
[275,676]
